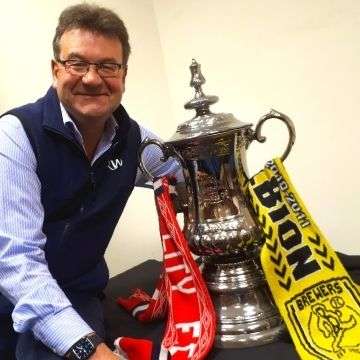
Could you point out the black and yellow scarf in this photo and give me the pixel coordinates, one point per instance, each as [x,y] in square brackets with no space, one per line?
[315,295]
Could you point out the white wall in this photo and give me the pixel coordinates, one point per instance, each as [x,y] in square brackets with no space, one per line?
[299,57]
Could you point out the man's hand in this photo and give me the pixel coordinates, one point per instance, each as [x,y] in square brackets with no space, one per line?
[103,352]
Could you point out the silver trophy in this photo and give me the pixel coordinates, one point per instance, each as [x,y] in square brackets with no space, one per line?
[219,222]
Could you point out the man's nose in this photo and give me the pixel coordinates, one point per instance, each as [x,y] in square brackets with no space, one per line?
[92,77]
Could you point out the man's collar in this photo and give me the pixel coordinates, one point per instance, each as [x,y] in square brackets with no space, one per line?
[110,123]
[109,131]
[55,117]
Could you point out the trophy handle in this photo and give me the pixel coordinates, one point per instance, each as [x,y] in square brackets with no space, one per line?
[146,142]
[273,114]
[167,153]
[179,202]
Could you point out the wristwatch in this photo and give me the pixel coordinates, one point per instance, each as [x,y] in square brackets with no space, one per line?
[84,348]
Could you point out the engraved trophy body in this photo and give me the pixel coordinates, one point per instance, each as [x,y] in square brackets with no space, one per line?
[219,222]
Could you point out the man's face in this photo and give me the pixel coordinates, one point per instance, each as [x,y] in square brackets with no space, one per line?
[89,97]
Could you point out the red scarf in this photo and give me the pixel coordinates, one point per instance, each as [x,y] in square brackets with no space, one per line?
[191,320]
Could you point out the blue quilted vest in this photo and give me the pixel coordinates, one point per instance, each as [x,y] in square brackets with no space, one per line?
[82,202]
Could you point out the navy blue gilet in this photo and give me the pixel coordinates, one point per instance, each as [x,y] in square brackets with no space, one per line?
[82,203]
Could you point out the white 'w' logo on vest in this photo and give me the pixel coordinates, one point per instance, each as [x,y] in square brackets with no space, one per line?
[114,164]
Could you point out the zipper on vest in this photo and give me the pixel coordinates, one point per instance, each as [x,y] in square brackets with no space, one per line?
[91,196]
[93,166]
[92,181]
[113,147]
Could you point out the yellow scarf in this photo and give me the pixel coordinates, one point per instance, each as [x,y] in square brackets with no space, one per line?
[316,297]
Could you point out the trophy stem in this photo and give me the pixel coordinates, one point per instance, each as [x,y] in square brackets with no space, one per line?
[246,312]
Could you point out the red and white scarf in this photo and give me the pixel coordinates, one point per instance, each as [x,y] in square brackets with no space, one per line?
[191,319]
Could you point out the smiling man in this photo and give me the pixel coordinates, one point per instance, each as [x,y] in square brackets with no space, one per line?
[89,73]
[68,164]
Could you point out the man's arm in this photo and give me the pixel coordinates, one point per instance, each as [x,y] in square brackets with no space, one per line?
[40,304]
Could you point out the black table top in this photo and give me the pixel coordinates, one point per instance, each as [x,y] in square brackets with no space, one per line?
[120,323]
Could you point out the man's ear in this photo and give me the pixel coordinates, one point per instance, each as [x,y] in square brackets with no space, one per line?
[55,72]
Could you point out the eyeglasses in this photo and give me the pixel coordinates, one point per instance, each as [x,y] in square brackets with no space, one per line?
[81,68]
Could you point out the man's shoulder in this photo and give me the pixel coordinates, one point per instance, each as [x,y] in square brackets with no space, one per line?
[29,111]
[14,143]
[22,121]
[24,112]
[10,123]
[136,124]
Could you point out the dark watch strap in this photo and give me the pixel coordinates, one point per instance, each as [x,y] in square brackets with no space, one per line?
[84,347]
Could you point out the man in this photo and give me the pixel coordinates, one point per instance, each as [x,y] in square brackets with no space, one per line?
[68,164]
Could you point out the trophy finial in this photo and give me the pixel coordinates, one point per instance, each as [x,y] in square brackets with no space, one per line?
[197,78]
[200,102]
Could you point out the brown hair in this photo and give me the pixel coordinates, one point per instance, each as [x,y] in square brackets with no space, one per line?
[93,18]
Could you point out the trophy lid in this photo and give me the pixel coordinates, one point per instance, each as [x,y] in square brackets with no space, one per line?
[205,122]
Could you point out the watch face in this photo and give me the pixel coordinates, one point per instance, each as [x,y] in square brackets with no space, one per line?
[83,349]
